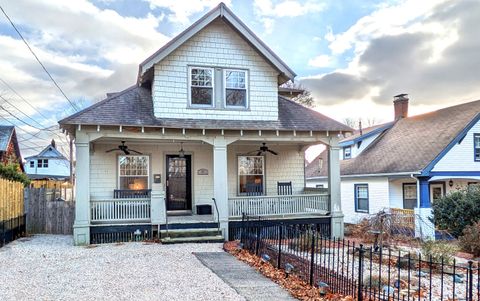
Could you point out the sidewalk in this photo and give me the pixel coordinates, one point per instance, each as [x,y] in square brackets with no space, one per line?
[243,278]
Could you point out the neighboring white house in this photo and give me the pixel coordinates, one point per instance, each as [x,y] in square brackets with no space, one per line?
[48,164]
[407,163]
[204,122]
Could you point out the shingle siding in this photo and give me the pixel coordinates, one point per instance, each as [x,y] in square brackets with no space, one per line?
[217,45]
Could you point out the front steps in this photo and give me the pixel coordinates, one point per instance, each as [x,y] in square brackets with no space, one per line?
[192,235]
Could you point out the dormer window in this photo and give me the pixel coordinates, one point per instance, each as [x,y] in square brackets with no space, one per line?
[201,86]
[347,152]
[236,90]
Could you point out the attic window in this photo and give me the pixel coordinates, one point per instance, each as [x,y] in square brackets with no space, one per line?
[42,163]
[347,152]
[236,88]
[201,86]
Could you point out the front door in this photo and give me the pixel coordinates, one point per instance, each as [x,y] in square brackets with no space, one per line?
[436,191]
[178,182]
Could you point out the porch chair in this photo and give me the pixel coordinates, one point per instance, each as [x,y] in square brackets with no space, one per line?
[284,188]
[254,189]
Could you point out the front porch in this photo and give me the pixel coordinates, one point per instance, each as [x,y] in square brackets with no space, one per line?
[187,181]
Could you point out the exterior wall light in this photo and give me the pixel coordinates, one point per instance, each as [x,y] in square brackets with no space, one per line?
[450,183]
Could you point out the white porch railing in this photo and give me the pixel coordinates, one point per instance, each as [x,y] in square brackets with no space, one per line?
[120,210]
[278,205]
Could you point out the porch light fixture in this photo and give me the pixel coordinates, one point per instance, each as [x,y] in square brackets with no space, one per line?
[450,183]
[181,152]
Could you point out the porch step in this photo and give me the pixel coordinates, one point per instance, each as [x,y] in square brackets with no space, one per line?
[202,232]
[194,239]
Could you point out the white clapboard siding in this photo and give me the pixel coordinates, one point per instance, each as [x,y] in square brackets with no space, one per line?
[278,205]
[120,210]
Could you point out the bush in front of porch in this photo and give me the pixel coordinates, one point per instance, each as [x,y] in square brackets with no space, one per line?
[457,210]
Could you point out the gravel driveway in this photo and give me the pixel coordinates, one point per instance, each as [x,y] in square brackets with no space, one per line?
[49,267]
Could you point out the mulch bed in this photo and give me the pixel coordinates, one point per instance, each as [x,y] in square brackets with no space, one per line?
[293,284]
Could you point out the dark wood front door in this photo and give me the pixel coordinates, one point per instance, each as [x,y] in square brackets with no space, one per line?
[179,180]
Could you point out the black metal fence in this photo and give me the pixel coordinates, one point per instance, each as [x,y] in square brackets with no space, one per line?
[115,234]
[365,273]
[12,229]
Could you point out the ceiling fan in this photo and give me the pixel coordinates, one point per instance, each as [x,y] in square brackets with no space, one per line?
[124,148]
[263,149]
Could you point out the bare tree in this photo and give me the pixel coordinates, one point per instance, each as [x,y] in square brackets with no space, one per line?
[305,98]
[349,121]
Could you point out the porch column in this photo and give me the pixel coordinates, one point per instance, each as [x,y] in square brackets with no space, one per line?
[220,190]
[424,228]
[334,189]
[81,226]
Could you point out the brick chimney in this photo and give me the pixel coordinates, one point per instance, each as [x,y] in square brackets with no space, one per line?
[400,103]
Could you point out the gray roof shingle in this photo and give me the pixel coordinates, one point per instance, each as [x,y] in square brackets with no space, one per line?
[6,132]
[134,107]
[410,144]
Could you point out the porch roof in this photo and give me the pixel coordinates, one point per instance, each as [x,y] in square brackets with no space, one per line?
[134,107]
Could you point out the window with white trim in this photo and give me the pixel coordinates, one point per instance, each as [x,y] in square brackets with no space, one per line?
[32,164]
[251,175]
[201,88]
[361,198]
[236,88]
[409,196]
[133,172]
[347,152]
[476,146]
[42,163]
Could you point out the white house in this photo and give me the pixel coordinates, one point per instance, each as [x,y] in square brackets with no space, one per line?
[203,131]
[407,163]
[48,164]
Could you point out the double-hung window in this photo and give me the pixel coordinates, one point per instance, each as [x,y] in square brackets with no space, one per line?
[361,198]
[409,196]
[133,172]
[347,152]
[42,163]
[251,175]
[201,84]
[476,146]
[236,89]
[32,164]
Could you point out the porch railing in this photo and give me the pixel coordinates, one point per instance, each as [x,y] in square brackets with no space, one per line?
[279,205]
[120,210]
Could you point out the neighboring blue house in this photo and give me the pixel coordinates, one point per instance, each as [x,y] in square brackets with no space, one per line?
[407,163]
[49,164]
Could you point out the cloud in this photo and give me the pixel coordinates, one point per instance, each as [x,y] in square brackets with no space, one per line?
[181,11]
[267,10]
[433,56]
[321,61]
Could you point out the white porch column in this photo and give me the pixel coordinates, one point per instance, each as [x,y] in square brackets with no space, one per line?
[334,189]
[81,226]
[220,190]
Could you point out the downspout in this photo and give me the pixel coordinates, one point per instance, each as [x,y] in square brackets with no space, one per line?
[418,189]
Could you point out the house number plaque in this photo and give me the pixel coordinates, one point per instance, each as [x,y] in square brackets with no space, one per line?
[202,172]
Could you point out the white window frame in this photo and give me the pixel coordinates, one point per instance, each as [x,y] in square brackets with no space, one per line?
[345,157]
[43,164]
[32,163]
[238,174]
[212,70]
[225,89]
[131,176]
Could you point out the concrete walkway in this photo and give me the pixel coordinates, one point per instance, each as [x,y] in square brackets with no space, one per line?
[248,282]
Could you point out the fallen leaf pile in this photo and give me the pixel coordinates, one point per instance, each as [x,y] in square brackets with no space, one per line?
[297,287]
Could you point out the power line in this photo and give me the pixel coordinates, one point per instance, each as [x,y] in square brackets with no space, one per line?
[22,98]
[38,60]
[20,111]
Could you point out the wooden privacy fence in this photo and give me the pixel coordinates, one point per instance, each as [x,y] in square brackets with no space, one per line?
[12,221]
[46,213]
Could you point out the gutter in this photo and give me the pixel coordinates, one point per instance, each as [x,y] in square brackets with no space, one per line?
[371,175]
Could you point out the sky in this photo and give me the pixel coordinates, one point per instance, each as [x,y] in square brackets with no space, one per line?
[353,56]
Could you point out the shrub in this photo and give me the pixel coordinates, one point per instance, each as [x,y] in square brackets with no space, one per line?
[457,210]
[301,243]
[470,240]
[12,172]
[437,250]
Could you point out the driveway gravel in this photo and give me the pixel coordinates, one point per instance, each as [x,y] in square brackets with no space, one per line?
[49,267]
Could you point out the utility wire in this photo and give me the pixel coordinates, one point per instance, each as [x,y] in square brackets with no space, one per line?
[38,60]
[20,111]
[22,98]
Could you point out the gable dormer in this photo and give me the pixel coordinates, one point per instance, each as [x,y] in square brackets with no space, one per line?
[216,69]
